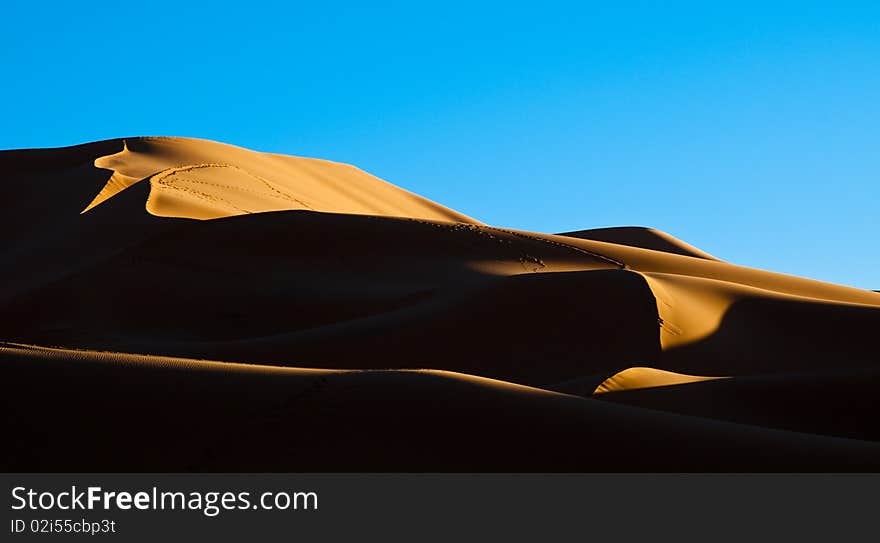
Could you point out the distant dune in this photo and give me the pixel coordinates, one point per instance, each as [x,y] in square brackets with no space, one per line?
[646,238]
[195,306]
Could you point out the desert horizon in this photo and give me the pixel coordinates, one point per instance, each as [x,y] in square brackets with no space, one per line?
[196,306]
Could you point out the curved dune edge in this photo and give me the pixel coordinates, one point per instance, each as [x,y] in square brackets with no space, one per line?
[641,377]
[175,363]
[201,179]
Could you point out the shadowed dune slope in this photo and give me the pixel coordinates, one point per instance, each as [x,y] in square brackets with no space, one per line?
[176,414]
[417,337]
[225,289]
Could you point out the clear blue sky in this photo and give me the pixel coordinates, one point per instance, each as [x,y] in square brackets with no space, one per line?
[751,130]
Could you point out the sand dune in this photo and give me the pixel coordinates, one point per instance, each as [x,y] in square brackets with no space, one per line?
[838,402]
[178,414]
[200,179]
[356,326]
[646,238]
[639,378]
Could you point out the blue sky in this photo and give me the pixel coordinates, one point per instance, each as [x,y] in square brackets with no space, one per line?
[751,130]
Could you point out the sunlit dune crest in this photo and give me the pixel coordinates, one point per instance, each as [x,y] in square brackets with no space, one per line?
[227,181]
[263,312]
[636,378]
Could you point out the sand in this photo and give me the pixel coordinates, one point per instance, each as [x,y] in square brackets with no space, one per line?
[641,378]
[222,309]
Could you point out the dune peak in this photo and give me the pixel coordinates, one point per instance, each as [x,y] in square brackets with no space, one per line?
[203,179]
